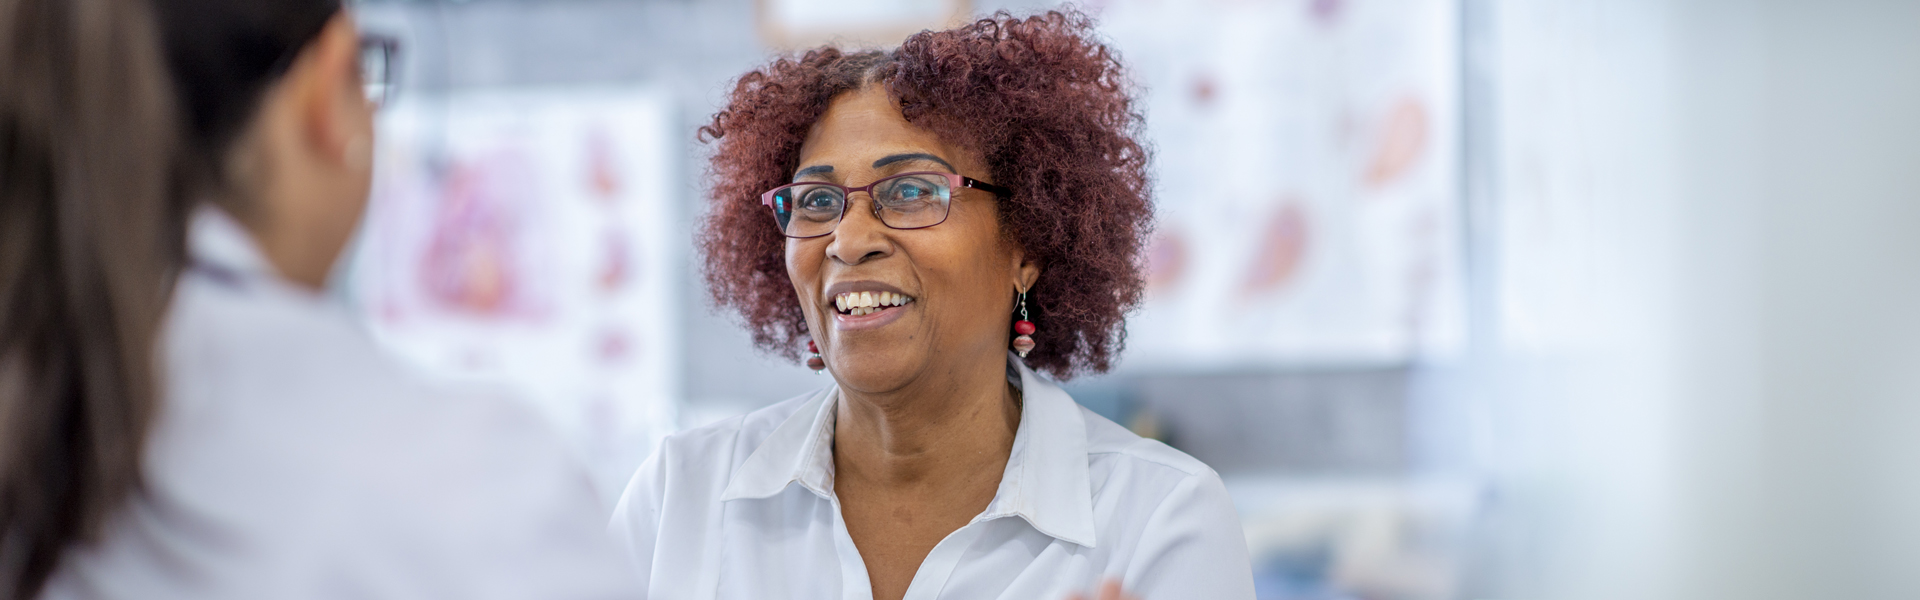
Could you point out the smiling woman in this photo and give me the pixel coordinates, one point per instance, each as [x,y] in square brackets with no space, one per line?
[913,215]
[1041,109]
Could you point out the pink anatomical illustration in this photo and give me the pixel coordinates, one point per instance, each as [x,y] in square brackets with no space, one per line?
[603,170]
[1206,90]
[613,345]
[1326,12]
[471,263]
[1280,250]
[1400,143]
[616,263]
[511,243]
[1166,261]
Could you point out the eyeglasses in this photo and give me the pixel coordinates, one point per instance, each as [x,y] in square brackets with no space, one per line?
[904,201]
[377,54]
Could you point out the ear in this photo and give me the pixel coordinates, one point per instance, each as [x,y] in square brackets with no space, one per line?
[1025,271]
[334,114]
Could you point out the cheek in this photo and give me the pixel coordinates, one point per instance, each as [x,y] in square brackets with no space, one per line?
[804,260]
[979,253]
[799,269]
[970,270]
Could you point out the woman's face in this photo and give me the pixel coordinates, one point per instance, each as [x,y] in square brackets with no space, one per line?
[956,280]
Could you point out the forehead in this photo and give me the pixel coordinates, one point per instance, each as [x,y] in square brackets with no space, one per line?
[864,125]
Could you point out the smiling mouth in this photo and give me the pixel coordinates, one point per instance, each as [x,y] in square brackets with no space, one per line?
[857,304]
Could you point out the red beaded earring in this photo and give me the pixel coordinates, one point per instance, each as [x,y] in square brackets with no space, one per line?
[1025,328]
[815,362]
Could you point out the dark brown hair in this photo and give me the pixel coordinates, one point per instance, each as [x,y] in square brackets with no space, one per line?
[1048,108]
[103,141]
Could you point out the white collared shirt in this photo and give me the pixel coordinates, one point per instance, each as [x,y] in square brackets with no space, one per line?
[745,509]
[292,460]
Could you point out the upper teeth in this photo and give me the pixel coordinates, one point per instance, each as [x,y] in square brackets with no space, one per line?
[860,303]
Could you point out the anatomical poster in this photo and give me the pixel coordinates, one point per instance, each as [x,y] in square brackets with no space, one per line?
[1307,178]
[527,240]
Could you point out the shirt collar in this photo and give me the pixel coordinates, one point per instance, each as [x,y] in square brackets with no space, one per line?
[217,242]
[799,450]
[1046,480]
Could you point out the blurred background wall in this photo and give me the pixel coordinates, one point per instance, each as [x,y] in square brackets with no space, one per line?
[1526,298]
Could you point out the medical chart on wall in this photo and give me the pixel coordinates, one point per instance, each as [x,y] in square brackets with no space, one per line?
[1306,160]
[527,240]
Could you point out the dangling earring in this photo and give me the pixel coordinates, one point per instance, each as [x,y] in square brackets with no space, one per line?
[815,362]
[1025,328]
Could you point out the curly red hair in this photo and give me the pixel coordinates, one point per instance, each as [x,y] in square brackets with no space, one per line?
[1046,106]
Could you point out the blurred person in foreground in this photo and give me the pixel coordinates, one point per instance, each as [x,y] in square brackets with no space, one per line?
[936,225]
[183,413]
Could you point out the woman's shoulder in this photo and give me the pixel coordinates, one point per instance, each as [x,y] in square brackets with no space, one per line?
[738,433]
[1168,514]
[689,472]
[701,461]
[1143,475]
[1107,440]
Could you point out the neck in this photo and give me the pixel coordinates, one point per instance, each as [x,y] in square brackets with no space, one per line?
[931,436]
[294,206]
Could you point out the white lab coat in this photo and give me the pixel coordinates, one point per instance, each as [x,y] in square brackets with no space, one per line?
[291,459]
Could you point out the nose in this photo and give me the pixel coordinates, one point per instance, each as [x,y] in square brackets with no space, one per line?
[860,236]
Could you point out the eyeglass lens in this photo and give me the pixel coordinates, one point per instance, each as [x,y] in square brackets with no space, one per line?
[910,201]
[376,69]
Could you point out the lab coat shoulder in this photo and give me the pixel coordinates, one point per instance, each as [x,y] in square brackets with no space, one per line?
[1191,544]
[491,499]
[323,466]
[296,382]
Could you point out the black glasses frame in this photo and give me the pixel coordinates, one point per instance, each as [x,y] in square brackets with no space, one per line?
[378,57]
[954,182]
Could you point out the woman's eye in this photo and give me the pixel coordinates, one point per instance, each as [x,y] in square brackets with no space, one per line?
[912,190]
[820,199]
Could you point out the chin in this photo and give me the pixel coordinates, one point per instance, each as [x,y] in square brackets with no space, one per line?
[875,371]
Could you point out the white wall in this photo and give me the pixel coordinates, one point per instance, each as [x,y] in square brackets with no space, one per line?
[1747,422]
[1817,493]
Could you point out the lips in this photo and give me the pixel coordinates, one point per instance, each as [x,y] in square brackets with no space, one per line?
[864,304]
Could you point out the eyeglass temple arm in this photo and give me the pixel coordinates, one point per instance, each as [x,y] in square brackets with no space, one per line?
[982,185]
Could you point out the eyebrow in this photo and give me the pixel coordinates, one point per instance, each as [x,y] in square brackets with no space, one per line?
[813,170]
[914,156]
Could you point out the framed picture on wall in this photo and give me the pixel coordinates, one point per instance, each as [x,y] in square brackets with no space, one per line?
[1308,181]
[523,240]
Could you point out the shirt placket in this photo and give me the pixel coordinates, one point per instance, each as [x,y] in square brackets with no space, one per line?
[930,579]
[940,564]
[853,569]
